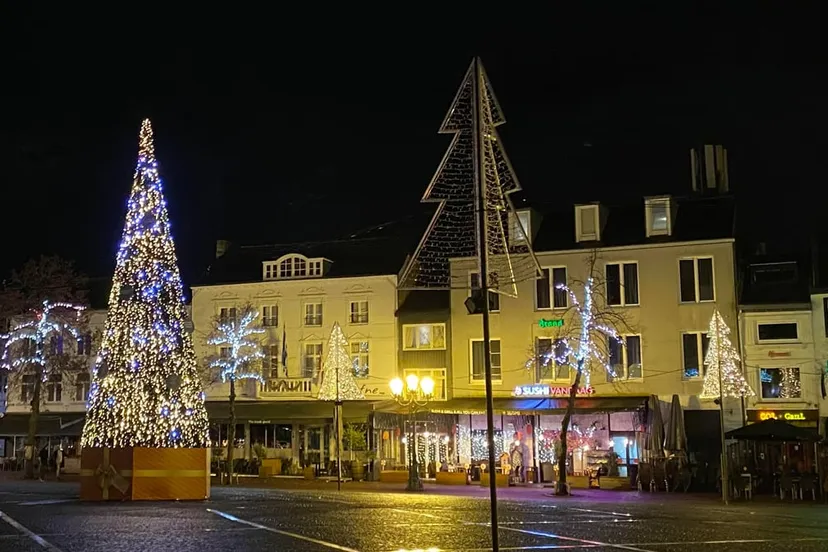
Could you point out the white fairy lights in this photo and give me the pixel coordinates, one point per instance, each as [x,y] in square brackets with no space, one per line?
[453,232]
[338,383]
[722,353]
[50,321]
[579,350]
[243,352]
[146,390]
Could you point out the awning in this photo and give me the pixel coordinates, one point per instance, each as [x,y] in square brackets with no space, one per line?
[773,430]
[524,405]
[48,424]
[297,412]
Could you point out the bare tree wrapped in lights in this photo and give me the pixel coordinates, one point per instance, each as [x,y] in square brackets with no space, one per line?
[146,390]
[35,348]
[338,384]
[240,358]
[475,218]
[586,339]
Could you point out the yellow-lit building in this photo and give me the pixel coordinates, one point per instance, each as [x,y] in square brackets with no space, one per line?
[662,265]
[300,291]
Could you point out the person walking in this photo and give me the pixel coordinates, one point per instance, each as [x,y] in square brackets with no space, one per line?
[44,462]
[58,461]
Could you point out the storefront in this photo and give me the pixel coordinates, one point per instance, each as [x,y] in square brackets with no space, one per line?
[453,434]
[53,430]
[300,433]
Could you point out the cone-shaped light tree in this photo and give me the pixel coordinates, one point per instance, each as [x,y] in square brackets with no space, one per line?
[722,357]
[338,384]
[146,390]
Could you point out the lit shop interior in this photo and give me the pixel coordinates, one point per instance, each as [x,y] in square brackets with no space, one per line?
[527,440]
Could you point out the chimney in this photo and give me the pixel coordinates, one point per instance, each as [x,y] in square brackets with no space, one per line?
[708,170]
[221,248]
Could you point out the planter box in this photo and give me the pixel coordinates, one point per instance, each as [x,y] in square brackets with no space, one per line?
[501,479]
[270,467]
[578,481]
[613,483]
[145,474]
[309,473]
[394,477]
[451,478]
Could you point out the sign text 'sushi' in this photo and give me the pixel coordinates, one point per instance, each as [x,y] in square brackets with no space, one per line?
[550,391]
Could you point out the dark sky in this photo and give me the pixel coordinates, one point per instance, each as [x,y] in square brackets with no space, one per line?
[280,126]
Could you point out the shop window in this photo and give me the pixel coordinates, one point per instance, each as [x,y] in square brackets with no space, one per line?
[478,364]
[780,383]
[424,337]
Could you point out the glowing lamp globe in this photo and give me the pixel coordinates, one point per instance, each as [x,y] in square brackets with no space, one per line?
[427,386]
[411,382]
[396,386]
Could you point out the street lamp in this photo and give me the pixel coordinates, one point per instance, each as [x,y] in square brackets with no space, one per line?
[413,394]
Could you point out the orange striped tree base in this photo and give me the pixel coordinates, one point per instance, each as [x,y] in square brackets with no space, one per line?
[145,473]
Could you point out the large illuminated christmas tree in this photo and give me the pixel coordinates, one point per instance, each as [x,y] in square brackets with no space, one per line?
[146,390]
[724,377]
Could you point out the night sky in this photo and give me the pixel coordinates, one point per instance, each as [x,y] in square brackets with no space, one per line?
[275,127]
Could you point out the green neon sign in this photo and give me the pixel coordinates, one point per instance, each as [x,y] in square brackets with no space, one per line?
[544,323]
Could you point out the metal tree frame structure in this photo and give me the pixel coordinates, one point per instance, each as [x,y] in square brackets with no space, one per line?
[472,187]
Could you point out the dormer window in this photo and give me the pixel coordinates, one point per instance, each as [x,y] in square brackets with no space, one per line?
[292,266]
[588,222]
[659,216]
[520,227]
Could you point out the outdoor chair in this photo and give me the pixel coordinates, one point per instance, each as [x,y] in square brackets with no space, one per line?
[807,483]
[743,485]
[786,485]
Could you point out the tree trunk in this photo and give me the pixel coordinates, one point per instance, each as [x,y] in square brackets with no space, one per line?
[34,417]
[231,432]
[561,488]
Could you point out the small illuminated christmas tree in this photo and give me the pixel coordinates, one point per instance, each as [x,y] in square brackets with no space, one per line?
[146,390]
[722,355]
[338,383]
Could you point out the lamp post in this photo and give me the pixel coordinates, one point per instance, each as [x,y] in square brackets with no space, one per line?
[412,394]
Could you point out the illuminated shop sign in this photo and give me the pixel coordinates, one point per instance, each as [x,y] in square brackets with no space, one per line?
[788,416]
[550,391]
[546,323]
[796,417]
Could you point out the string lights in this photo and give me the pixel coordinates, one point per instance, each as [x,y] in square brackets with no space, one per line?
[722,353]
[453,232]
[579,350]
[243,354]
[145,390]
[53,320]
[338,383]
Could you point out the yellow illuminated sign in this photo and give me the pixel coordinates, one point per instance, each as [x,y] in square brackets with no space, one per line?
[787,416]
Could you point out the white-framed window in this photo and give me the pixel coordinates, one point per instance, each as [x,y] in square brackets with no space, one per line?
[520,227]
[696,282]
[270,270]
[54,388]
[478,369]
[311,359]
[693,350]
[314,268]
[777,332]
[359,312]
[625,359]
[780,383]
[474,285]
[227,315]
[313,314]
[547,294]
[82,383]
[271,360]
[658,216]
[293,266]
[424,337]
[622,283]
[84,344]
[548,352]
[439,377]
[360,356]
[27,385]
[270,315]
[587,222]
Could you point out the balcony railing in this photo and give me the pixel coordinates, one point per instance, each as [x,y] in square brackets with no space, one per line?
[287,387]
